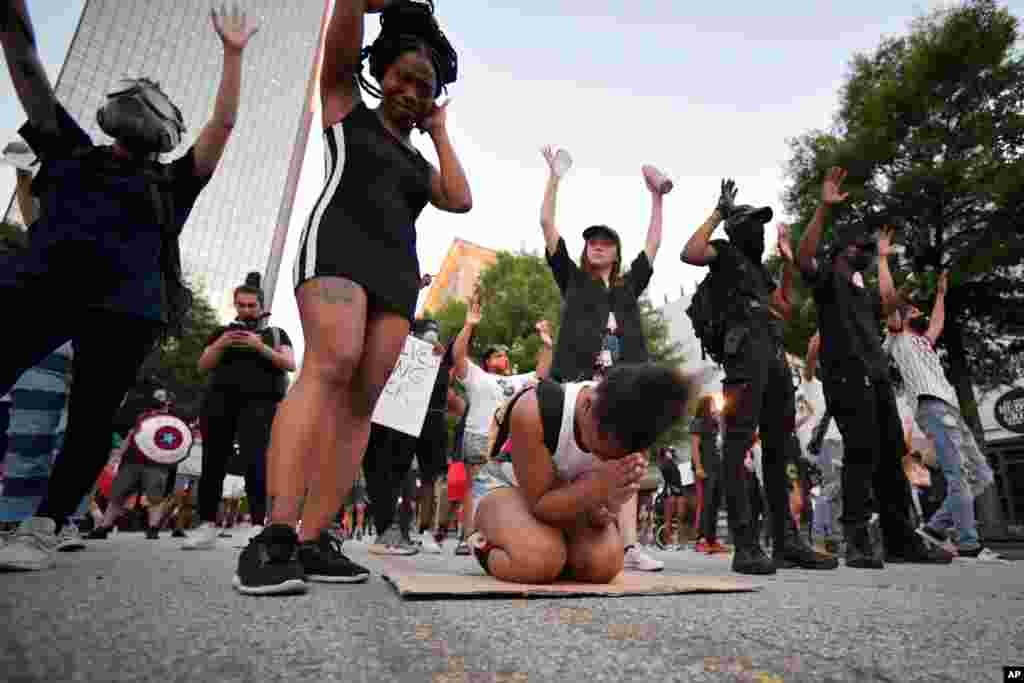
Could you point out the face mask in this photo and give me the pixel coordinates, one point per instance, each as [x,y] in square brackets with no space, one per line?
[860,260]
[919,324]
[141,118]
[431,337]
[749,238]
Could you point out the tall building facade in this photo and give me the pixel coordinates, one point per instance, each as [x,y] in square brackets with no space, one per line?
[458,274]
[241,219]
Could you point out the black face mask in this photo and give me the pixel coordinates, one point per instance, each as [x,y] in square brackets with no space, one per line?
[749,238]
[860,260]
[919,324]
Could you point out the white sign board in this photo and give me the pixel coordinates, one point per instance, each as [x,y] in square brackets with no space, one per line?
[686,474]
[403,403]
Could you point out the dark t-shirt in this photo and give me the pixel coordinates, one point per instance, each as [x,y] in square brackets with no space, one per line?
[710,456]
[750,289]
[104,222]
[439,397]
[670,473]
[586,303]
[848,318]
[247,371]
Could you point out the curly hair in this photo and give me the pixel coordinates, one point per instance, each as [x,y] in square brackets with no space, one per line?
[409,26]
[637,403]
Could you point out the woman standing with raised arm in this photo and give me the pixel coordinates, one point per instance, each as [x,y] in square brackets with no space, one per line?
[600,323]
[356,278]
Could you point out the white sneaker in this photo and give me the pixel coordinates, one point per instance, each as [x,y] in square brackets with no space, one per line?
[32,546]
[428,544]
[203,538]
[69,539]
[392,543]
[640,561]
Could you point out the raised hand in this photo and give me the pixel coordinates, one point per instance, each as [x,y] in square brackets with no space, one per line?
[727,198]
[559,161]
[943,283]
[885,241]
[234,27]
[785,248]
[830,192]
[473,314]
[426,280]
[544,330]
[437,120]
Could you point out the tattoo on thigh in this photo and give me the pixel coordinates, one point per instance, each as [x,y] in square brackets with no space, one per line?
[337,291]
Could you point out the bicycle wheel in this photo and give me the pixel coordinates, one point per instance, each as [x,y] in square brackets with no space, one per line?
[661,536]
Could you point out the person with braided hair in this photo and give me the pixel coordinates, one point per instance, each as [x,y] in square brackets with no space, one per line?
[356,278]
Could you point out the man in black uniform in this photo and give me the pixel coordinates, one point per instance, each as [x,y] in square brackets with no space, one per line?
[758,382]
[859,393]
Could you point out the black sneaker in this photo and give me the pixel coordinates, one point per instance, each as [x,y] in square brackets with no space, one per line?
[796,554]
[178,533]
[99,533]
[916,551]
[270,565]
[324,561]
[152,533]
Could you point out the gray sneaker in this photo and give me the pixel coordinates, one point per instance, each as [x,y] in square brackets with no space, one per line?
[32,546]
[391,542]
[69,539]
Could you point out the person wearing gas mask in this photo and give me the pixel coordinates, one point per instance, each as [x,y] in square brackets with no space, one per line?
[106,241]
[859,391]
[248,362]
[911,344]
[758,383]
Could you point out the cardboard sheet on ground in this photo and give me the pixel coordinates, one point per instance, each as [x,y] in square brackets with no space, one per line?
[404,401]
[438,586]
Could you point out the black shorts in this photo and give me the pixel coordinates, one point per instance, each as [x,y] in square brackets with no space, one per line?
[432,446]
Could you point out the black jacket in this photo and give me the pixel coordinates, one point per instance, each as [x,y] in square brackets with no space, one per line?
[586,303]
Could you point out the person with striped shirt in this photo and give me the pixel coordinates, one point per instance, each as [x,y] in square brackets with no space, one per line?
[933,401]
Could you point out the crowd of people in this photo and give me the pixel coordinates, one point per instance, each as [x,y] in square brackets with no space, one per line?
[545,474]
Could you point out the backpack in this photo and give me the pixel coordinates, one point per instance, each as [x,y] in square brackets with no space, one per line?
[551,397]
[708,321]
[281,383]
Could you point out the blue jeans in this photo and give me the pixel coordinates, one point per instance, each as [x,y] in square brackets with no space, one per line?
[956,451]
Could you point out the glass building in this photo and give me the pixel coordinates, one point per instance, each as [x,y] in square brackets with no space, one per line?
[241,219]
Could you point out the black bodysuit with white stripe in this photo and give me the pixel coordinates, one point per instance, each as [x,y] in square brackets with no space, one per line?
[363,226]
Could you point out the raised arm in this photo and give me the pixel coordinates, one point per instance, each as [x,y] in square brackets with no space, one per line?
[697,251]
[782,297]
[811,363]
[460,348]
[235,29]
[657,205]
[938,320]
[339,87]
[27,204]
[449,188]
[886,286]
[546,353]
[830,195]
[558,164]
[27,73]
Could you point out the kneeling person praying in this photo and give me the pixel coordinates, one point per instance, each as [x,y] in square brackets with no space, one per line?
[550,513]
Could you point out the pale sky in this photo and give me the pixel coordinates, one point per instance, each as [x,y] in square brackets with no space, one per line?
[700,90]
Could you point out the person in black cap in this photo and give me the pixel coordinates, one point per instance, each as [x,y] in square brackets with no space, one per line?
[601,324]
[859,392]
[758,383]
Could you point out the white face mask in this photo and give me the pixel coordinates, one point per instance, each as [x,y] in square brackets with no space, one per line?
[431,337]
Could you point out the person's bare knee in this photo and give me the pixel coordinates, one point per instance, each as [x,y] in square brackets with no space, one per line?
[537,558]
[596,555]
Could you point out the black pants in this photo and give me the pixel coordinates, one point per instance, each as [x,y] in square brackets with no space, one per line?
[109,351]
[712,504]
[758,394]
[224,417]
[873,449]
[389,457]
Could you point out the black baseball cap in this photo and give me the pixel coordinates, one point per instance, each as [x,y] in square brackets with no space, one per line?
[746,212]
[598,231]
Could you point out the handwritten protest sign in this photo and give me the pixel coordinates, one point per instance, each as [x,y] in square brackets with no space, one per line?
[403,404]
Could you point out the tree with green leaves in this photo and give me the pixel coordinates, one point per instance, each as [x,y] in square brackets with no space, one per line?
[517,292]
[175,363]
[930,128]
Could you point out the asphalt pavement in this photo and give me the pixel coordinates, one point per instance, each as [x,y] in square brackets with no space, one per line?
[128,609]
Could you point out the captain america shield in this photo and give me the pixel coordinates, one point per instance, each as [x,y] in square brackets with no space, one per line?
[164,439]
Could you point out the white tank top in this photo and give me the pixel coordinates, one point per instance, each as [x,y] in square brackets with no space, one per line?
[570,460]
